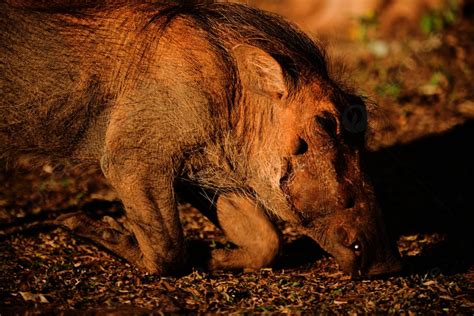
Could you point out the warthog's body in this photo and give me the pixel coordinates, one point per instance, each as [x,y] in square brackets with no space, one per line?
[171,98]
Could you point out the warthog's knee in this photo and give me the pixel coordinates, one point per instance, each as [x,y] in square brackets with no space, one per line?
[264,248]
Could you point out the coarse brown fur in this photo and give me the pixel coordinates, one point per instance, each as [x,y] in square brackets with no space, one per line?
[171,96]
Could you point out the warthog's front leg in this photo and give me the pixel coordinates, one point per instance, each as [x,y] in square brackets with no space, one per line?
[245,224]
[151,211]
[151,236]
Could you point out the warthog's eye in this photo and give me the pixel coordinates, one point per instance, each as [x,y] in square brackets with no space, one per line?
[301,147]
[328,123]
[354,118]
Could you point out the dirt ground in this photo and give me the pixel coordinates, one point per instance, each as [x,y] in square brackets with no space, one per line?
[421,161]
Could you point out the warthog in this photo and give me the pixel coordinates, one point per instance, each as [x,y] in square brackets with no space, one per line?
[174,99]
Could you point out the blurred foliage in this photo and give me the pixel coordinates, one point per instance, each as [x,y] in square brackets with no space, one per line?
[389,89]
[436,21]
[367,23]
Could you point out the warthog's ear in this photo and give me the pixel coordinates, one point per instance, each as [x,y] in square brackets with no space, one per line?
[260,72]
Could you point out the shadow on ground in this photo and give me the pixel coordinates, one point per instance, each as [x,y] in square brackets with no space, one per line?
[426,187]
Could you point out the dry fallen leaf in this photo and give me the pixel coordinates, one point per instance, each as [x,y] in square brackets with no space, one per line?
[38,298]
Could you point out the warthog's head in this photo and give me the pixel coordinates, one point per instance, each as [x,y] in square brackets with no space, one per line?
[317,138]
[324,182]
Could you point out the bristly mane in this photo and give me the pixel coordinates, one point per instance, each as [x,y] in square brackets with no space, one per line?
[299,56]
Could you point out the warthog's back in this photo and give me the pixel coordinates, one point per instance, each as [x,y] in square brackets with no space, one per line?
[49,100]
[63,71]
